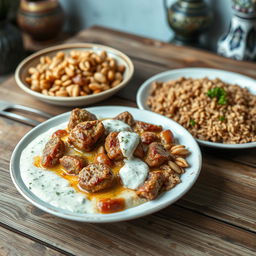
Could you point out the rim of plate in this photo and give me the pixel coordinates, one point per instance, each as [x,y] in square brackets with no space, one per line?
[143,92]
[48,50]
[131,213]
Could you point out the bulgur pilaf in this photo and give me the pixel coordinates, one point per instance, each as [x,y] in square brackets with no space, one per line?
[211,110]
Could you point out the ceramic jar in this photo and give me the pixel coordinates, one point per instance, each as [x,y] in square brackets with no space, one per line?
[239,42]
[188,19]
[11,47]
[41,19]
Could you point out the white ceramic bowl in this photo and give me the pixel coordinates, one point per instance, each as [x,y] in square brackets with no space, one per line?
[226,76]
[165,199]
[31,61]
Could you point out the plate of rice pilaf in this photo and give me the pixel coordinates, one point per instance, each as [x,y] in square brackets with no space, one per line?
[217,107]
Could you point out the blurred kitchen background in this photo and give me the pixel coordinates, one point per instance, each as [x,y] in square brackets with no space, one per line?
[142,17]
[146,18]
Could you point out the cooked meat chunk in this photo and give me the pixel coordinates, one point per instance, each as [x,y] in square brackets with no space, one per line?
[113,149]
[102,157]
[126,117]
[146,127]
[85,135]
[139,151]
[167,138]
[73,164]
[112,146]
[156,154]
[108,205]
[78,116]
[149,137]
[152,186]
[95,177]
[60,133]
[170,177]
[53,151]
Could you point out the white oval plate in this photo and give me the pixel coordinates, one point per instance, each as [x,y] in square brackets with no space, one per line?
[165,199]
[226,76]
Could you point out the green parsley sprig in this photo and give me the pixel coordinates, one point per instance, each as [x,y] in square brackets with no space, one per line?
[192,122]
[218,93]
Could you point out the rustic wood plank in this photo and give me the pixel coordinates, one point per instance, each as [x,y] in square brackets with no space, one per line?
[19,245]
[164,54]
[224,191]
[175,228]
[217,217]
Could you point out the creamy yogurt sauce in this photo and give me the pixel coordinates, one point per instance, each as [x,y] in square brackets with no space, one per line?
[47,185]
[55,190]
[115,125]
[128,142]
[133,173]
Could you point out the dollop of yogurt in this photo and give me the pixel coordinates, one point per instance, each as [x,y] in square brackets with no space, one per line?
[115,125]
[128,142]
[133,173]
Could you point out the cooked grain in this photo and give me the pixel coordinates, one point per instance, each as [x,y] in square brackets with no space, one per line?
[185,100]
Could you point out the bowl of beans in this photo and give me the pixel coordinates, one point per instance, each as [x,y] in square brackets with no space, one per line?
[74,74]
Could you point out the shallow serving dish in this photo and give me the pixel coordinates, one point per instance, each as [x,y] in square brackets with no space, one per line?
[226,76]
[165,199]
[31,61]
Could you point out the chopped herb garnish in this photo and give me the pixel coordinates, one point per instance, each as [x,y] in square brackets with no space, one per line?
[222,118]
[192,122]
[29,188]
[57,193]
[218,93]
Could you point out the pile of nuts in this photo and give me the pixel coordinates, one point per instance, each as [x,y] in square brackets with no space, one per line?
[77,73]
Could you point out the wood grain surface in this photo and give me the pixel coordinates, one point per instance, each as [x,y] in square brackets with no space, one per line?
[216,217]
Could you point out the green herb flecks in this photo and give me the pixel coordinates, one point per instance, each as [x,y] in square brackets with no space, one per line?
[192,122]
[218,93]
[222,118]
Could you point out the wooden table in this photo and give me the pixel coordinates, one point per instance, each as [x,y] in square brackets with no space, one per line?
[216,217]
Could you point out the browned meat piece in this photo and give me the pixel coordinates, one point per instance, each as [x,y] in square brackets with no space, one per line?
[113,149]
[102,157]
[152,186]
[108,205]
[156,154]
[112,146]
[60,133]
[149,137]
[85,135]
[167,138]
[146,127]
[53,151]
[73,164]
[139,152]
[96,177]
[78,116]
[126,117]
[170,177]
